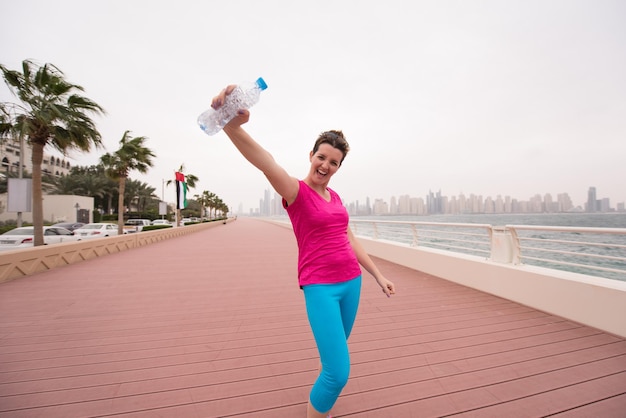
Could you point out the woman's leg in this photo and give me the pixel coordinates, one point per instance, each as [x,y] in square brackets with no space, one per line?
[350,304]
[331,310]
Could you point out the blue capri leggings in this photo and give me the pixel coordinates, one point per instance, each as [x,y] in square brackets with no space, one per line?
[331,309]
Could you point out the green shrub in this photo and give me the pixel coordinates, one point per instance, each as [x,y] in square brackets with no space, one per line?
[154,227]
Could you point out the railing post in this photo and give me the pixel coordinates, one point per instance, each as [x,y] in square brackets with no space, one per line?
[414,230]
[502,248]
[374,230]
[516,255]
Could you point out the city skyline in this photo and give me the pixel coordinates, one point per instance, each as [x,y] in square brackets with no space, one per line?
[438,203]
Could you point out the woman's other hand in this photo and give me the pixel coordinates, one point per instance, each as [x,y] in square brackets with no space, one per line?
[387,286]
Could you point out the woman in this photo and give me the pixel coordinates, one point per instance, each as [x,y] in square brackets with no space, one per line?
[328,253]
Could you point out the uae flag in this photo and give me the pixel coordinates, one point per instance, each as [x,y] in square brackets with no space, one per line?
[181,191]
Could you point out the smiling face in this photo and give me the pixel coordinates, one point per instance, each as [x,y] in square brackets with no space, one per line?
[324,163]
[328,153]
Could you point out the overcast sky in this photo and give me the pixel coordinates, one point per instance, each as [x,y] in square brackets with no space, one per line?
[476,97]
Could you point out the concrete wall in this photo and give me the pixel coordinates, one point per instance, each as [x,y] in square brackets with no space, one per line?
[15,264]
[593,301]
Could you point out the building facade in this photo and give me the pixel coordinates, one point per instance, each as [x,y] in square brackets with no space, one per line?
[11,155]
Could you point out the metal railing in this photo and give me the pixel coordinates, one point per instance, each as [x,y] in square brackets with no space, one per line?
[580,249]
[598,252]
[467,238]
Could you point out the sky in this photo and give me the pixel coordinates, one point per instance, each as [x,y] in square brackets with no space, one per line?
[509,97]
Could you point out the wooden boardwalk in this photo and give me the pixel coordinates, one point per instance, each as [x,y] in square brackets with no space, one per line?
[213,324]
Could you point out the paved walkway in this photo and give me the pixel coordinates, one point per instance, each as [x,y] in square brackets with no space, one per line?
[212,324]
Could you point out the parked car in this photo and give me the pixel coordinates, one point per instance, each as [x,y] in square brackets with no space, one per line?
[24,237]
[70,225]
[96,230]
[161,222]
[135,225]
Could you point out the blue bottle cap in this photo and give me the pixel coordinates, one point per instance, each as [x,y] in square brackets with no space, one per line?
[261,83]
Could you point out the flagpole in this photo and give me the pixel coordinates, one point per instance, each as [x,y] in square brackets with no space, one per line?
[176,206]
[163,196]
[181,195]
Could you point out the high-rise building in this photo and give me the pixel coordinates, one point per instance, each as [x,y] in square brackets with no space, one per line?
[592,204]
[380,207]
[604,204]
[404,205]
[267,202]
[393,206]
[489,205]
[499,205]
[417,206]
[508,204]
[564,202]
[434,203]
[549,205]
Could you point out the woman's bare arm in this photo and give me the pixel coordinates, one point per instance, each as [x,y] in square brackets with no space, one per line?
[369,265]
[284,184]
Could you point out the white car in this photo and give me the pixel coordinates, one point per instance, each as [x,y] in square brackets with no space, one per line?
[96,230]
[24,237]
[161,222]
[135,225]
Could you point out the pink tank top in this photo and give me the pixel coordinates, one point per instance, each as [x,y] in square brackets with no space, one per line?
[321,228]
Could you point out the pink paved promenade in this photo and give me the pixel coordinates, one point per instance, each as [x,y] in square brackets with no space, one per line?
[212,324]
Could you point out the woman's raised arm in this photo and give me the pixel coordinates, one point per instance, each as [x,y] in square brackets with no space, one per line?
[284,184]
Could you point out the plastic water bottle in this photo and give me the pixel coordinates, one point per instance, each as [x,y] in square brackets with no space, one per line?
[244,96]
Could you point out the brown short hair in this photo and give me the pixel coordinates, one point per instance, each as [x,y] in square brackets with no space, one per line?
[334,139]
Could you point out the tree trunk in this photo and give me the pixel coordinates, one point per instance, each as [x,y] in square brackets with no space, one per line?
[37,159]
[120,206]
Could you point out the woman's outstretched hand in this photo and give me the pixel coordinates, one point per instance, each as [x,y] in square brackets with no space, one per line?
[243,115]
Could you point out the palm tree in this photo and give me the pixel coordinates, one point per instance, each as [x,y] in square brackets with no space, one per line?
[213,204]
[222,207]
[88,181]
[205,200]
[132,155]
[191,180]
[51,113]
[140,194]
[109,188]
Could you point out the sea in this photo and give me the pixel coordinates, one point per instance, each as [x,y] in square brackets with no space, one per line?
[616,253]
[576,219]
